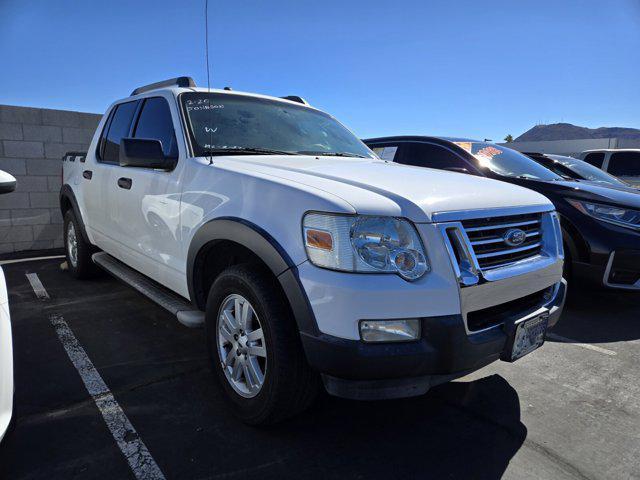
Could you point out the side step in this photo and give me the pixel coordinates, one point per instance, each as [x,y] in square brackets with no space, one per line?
[181,308]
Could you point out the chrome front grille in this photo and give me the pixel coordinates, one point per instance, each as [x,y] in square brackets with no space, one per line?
[488,239]
[475,243]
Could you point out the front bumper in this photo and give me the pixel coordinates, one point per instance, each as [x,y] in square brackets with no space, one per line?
[359,370]
[467,314]
[610,256]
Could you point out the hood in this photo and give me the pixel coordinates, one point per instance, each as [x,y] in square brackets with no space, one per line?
[596,192]
[377,187]
[624,188]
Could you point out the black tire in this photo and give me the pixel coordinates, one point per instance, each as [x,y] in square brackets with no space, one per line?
[12,424]
[83,267]
[290,386]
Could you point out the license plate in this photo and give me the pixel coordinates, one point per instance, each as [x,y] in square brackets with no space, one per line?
[529,336]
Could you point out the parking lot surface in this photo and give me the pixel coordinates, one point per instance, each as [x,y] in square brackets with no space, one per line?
[570,410]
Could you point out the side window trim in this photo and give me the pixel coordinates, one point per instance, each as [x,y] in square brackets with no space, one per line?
[136,116]
[103,135]
[605,161]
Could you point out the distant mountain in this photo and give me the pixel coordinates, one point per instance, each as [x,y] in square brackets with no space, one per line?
[566,131]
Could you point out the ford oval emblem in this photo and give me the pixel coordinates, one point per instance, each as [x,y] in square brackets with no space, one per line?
[514,237]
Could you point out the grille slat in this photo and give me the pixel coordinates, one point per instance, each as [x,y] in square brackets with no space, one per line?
[508,251]
[504,225]
[487,239]
[500,240]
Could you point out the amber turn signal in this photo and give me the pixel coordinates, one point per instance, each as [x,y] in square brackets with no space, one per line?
[319,239]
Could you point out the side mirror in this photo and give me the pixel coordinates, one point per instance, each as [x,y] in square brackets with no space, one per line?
[7,182]
[144,153]
[456,169]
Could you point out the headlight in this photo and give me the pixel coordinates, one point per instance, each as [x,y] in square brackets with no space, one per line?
[354,243]
[622,216]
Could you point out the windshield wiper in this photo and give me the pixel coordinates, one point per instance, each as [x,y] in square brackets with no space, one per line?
[331,154]
[244,151]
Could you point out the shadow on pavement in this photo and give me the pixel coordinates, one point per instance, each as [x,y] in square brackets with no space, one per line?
[600,316]
[458,430]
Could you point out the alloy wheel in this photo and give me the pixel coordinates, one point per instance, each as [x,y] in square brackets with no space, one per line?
[72,244]
[241,346]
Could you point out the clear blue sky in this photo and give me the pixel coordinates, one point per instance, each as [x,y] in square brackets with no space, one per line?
[472,68]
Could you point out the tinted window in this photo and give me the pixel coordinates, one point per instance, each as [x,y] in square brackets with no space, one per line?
[556,167]
[155,122]
[625,164]
[432,156]
[585,171]
[595,159]
[118,129]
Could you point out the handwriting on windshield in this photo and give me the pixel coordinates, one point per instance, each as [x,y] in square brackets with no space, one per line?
[201,104]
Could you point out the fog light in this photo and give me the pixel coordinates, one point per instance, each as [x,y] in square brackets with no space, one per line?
[390,330]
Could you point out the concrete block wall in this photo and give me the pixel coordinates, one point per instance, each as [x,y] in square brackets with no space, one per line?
[32,142]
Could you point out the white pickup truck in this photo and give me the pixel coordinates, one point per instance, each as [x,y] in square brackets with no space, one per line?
[309,259]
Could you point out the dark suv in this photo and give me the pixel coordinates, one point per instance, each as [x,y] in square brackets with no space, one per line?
[601,225]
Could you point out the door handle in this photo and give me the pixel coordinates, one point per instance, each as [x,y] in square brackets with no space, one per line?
[87,174]
[124,183]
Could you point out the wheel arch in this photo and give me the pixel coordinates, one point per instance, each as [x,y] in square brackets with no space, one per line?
[247,240]
[578,247]
[68,202]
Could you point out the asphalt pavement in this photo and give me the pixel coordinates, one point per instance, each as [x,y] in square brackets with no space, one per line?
[110,386]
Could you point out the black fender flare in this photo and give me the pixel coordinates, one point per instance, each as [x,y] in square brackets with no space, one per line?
[267,248]
[66,193]
[573,240]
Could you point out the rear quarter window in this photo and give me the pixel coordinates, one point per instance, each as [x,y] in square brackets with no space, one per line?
[624,164]
[596,159]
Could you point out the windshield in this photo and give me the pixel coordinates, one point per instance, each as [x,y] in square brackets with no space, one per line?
[507,162]
[587,171]
[222,123]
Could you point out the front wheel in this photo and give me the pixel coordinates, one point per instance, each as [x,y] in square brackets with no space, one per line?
[255,349]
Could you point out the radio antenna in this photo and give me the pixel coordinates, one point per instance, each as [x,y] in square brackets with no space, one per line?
[206,50]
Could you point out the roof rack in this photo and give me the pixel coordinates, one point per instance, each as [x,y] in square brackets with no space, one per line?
[296,98]
[184,82]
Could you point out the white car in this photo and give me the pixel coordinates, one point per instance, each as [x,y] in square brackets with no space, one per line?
[623,163]
[305,255]
[7,184]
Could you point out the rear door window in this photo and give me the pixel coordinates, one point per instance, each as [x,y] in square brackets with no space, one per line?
[118,129]
[155,123]
[433,156]
[624,164]
[596,159]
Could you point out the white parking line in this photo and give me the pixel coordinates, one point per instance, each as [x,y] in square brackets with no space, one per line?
[31,259]
[131,445]
[588,346]
[37,286]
